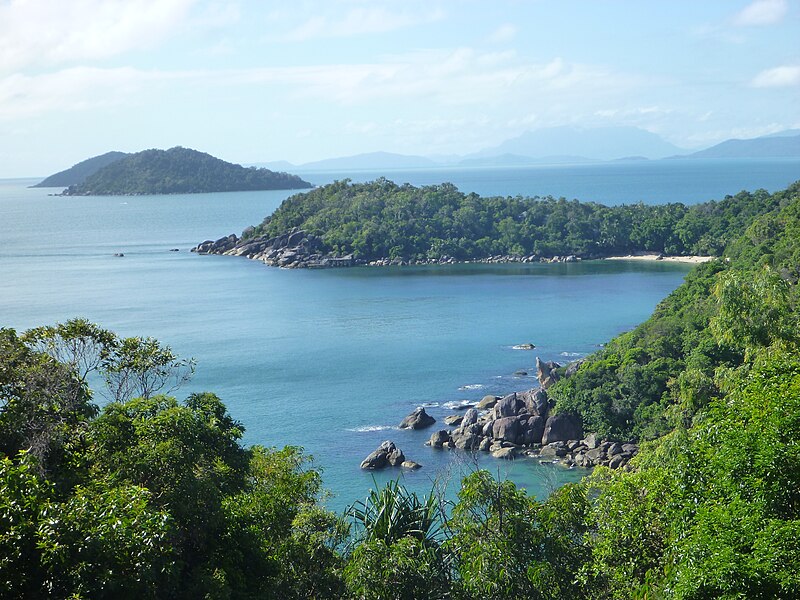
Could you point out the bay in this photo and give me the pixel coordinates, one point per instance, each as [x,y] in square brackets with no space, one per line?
[328,360]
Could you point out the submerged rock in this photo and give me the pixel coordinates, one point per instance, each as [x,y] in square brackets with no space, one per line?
[526,346]
[411,465]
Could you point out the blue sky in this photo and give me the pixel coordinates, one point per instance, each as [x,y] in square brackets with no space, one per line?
[255,81]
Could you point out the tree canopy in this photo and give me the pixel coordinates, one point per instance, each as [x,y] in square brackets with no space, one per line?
[381,219]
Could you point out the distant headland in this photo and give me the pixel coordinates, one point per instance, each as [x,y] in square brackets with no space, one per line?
[174,171]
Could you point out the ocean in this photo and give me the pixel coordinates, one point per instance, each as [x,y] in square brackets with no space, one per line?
[333,360]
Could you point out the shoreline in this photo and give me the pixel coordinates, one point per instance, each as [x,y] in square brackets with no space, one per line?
[298,249]
[659,257]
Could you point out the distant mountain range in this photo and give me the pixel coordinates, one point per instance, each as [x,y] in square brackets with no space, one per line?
[600,143]
[771,146]
[560,146]
[549,146]
[174,171]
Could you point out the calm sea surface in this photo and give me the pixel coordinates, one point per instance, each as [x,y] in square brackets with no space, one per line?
[333,360]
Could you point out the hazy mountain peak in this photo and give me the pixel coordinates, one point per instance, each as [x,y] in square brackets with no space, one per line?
[599,143]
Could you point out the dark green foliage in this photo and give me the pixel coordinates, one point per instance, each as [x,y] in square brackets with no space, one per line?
[391,513]
[384,220]
[712,512]
[505,544]
[43,406]
[398,553]
[152,497]
[179,171]
[659,375]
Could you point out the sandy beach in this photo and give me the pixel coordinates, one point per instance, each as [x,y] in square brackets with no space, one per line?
[683,259]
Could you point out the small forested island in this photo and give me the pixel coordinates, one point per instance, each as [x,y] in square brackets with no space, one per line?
[381,222]
[78,173]
[174,171]
[154,497]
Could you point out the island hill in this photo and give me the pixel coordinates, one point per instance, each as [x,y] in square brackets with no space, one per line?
[174,171]
[382,223]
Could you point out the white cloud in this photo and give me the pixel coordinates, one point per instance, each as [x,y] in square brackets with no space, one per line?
[784,76]
[504,33]
[358,21]
[460,84]
[77,88]
[47,33]
[762,12]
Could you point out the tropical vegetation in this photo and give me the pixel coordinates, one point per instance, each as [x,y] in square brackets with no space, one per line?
[381,219]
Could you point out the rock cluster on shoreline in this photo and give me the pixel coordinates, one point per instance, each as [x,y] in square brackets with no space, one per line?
[298,249]
[519,424]
[295,250]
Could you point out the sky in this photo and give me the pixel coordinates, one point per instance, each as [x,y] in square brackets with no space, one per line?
[267,80]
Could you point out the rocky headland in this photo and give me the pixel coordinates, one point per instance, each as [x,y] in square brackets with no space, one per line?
[299,249]
[517,425]
[520,425]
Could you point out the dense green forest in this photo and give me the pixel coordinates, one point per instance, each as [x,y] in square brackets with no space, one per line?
[179,171]
[154,497]
[381,219]
[644,381]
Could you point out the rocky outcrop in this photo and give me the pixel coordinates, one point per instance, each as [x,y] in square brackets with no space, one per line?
[487,402]
[573,367]
[453,420]
[295,249]
[518,424]
[387,454]
[440,439]
[562,427]
[298,249]
[418,419]
[546,372]
[517,419]
[220,246]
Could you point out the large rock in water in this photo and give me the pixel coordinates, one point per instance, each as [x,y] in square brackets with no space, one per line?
[561,428]
[546,372]
[382,455]
[418,419]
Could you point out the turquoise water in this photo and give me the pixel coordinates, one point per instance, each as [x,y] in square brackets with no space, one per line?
[328,360]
